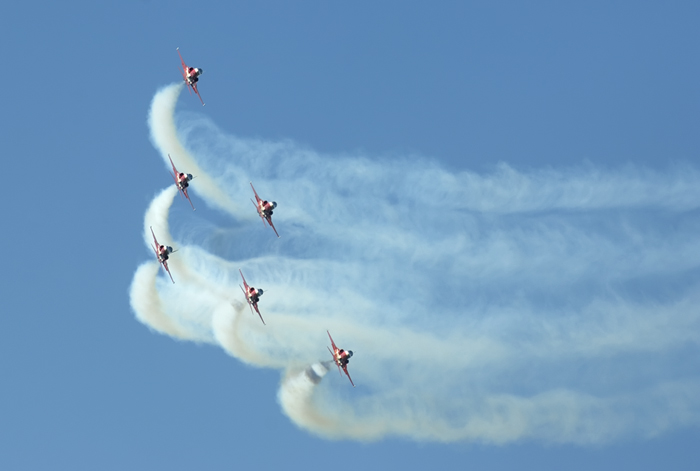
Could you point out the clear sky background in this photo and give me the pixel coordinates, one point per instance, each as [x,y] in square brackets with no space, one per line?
[601,98]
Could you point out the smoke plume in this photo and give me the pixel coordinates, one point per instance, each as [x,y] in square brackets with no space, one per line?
[552,304]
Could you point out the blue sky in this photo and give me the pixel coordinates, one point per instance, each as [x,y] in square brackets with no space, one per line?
[516,183]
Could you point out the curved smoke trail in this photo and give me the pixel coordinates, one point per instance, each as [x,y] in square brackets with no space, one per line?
[554,304]
[164,137]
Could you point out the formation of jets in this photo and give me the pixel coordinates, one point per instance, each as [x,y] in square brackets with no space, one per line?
[191,76]
[162,254]
[252,296]
[264,208]
[182,181]
[341,358]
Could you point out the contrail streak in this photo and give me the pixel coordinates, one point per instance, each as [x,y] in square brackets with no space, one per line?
[559,305]
[164,137]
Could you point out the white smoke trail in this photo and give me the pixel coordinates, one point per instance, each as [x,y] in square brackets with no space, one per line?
[145,296]
[146,302]
[554,304]
[296,397]
[164,137]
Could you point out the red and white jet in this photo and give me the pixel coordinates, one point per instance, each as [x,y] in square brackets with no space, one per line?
[252,295]
[264,208]
[341,358]
[182,181]
[162,254]
[191,76]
